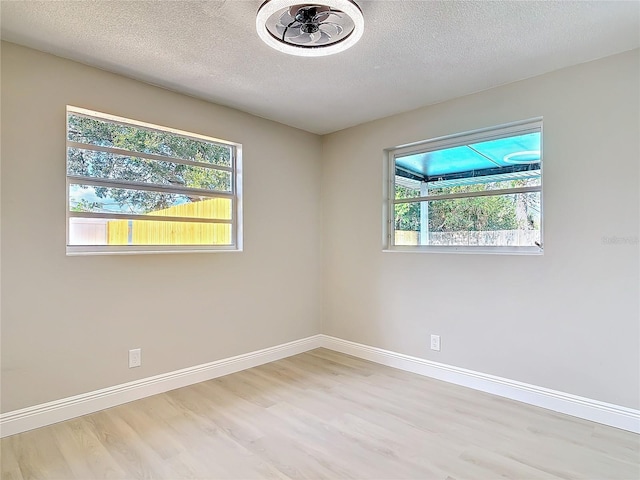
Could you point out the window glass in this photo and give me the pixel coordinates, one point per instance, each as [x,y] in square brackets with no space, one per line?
[472,190]
[121,172]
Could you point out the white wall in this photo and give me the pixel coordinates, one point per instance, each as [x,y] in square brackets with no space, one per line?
[567,320]
[67,322]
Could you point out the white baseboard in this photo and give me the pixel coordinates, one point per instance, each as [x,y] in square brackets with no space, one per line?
[49,413]
[44,414]
[586,408]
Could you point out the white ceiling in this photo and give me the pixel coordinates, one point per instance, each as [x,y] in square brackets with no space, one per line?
[413,53]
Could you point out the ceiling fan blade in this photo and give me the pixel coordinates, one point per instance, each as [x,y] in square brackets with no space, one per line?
[285,19]
[293,9]
[315,36]
[333,12]
[324,38]
[338,27]
[289,29]
[322,14]
[297,36]
[302,38]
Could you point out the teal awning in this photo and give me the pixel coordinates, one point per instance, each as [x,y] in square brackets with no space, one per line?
[519,153]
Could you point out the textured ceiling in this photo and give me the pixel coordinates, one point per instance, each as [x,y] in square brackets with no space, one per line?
[413,53]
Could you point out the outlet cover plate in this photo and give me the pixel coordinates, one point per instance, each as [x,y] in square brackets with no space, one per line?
[135,358]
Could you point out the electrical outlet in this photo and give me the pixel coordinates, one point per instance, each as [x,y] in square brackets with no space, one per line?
[435,342]
[135,357]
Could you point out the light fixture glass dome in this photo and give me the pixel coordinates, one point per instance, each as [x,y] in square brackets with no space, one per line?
[310,29]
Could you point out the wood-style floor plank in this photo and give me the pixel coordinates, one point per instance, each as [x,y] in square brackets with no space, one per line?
[320,415]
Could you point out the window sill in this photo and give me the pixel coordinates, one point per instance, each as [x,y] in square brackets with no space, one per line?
[466,250]
[147,250]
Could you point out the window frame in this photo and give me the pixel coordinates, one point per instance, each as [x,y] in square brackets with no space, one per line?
[448,141]
[235,194]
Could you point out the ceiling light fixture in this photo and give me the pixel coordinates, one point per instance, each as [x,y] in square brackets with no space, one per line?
[310,29]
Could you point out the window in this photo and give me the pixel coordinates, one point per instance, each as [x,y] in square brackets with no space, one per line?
[474,192]
[136,187]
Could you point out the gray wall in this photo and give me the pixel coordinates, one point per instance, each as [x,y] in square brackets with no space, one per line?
[68,322]
[567,320]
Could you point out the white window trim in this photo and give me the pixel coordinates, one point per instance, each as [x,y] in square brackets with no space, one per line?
[236,192]
[448,141]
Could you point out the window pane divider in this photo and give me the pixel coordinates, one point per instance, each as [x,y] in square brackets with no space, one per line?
[459,140]
[103,117]
[147,156]
[156,218]
[149,187]
[82,250]
[483,193]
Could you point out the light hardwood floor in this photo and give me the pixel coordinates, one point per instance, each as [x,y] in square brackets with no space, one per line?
[322,414]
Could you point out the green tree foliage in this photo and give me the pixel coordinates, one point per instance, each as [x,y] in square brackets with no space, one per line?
[474,214]
[130,168]
[407,214]
[487,213]
[86,206]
